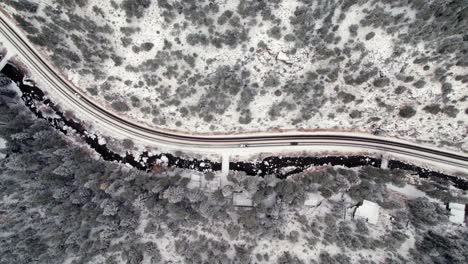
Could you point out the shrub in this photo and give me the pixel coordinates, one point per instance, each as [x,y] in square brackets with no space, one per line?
[223,18]
[135,101]
[425,213]
[419,84]
[92,90]
[450,110]
[381,82]
[197,39]
[271,81]
[245,117]
[287,258]
[370,35]
[353,30]
[147,46]
[441,248]
[355,114]
[400,89]
[346,97]
[120,106]
[129,30]
[275,32]
[432,108]
[23,5]
[251,7]
[407,112]
[446,89]
[289,37]
[135,8]
[25,25]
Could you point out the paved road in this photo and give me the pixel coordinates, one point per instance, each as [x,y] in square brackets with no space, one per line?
[85,108]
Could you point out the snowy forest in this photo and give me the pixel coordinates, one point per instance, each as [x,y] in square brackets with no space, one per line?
[61,203]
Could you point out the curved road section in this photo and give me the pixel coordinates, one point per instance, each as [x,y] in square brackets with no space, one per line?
[74,99]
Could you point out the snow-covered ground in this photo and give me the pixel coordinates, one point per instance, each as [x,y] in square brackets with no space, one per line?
[243,66]
[332,216]
[60,205]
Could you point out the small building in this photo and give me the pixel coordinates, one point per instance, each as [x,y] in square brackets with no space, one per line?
[242,199]
[457,213]
[368,211]
[195,181]
[212,185]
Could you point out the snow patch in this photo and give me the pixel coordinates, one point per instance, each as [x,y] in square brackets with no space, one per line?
[368,211]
